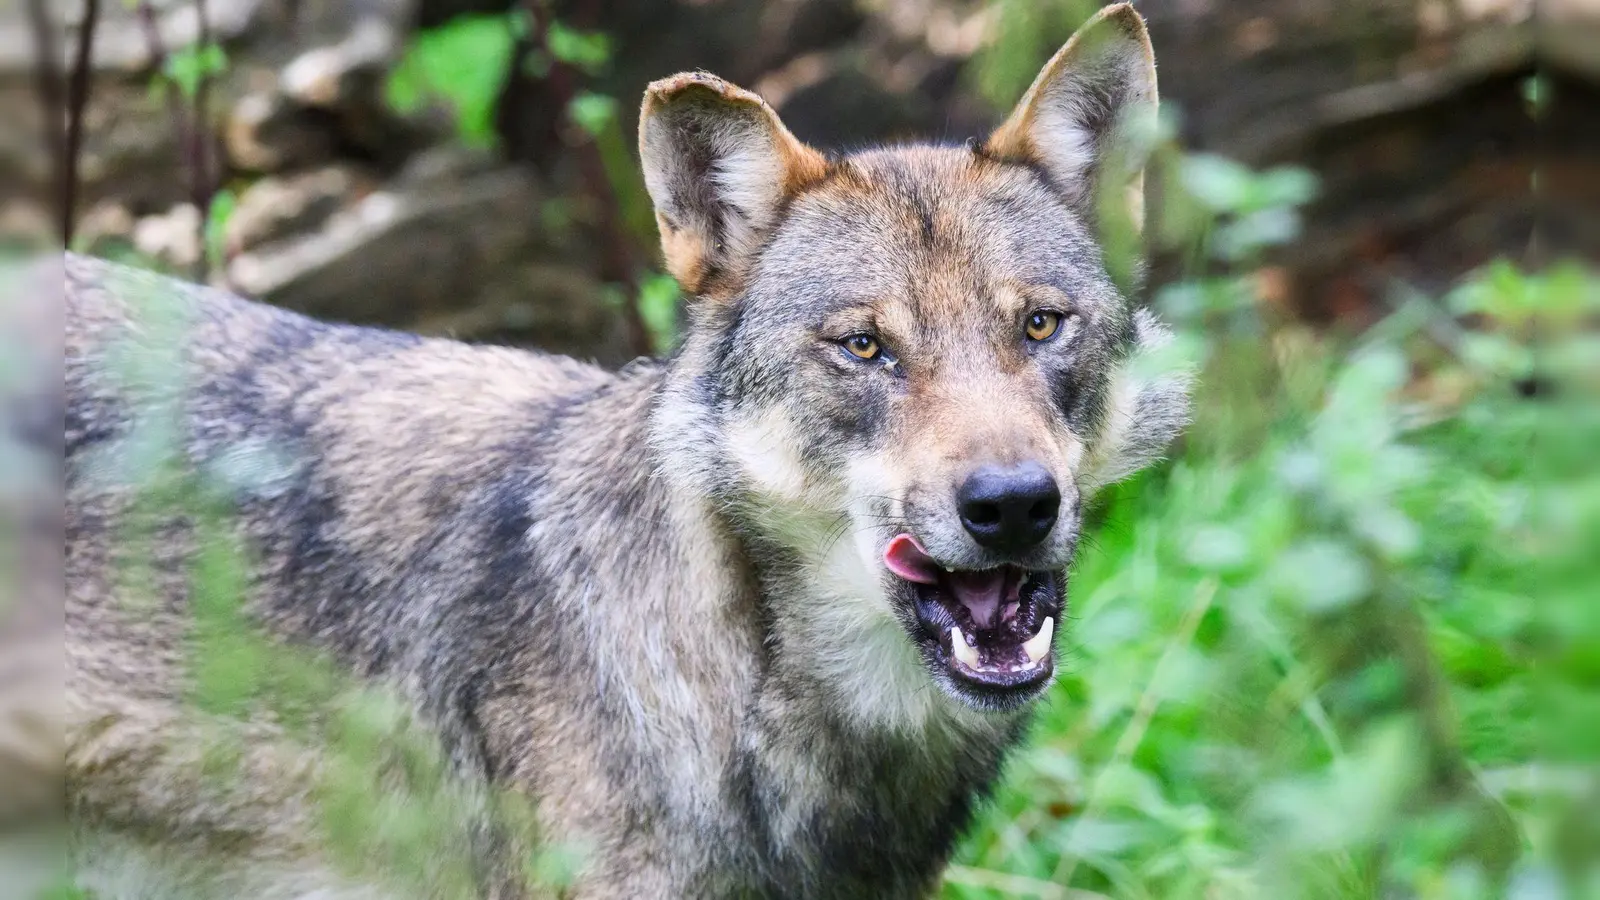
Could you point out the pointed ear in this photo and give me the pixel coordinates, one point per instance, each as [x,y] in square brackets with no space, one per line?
[718,164]
[1077,119]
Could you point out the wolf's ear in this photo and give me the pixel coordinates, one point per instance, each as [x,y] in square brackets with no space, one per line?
[718,164]
[1077,119]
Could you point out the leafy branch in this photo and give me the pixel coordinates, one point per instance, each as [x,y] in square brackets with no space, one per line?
[568,53]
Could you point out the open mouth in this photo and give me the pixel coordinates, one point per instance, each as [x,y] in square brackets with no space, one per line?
[992,630]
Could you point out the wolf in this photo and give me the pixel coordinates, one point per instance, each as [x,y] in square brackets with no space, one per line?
[760,619]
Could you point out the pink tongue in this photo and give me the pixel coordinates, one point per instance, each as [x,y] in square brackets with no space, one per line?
[980,593]
[906,558]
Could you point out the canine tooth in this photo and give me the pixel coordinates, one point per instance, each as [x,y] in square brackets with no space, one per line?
[1038,645]
[963,650]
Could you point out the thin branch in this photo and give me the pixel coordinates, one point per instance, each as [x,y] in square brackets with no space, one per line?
[203,180]
[51,91]
[67,151]
[188,125]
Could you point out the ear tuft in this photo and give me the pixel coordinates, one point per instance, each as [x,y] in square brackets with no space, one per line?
[1076,121]
[718,164]
[1149,407]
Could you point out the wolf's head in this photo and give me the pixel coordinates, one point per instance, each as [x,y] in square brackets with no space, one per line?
[905,369]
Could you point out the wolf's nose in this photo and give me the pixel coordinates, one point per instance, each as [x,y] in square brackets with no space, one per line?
[1009,510]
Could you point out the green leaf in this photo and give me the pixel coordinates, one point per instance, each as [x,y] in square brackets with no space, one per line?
[588,50]
[222,207]
[461,64]
[190,66]
[1218,182]
[1218,549]
[594,113]
[1322,574]
[658,306]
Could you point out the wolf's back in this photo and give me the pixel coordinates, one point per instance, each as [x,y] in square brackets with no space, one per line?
[355,465]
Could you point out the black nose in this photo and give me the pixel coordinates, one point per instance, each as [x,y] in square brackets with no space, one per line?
[1009,510]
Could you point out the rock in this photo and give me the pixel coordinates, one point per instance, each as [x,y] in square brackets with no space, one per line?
[462,256]
[345,73]
[109,225]
[551,306]
[446,163]
[265,132]
[27,227]
[276,207]
[173,238]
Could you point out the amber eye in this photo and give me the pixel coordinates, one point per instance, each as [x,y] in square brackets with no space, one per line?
[862,346]
[1043,325]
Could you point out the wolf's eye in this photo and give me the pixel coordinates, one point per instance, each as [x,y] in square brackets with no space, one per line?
[862,346]
[1043,325]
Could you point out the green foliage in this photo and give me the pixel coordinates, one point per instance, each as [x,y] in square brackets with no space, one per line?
[594,113]
[216,228]
[1026,33]
[658,306]
[1531,324]
[587,50]
[462,64]
[1248,211]
[190,66]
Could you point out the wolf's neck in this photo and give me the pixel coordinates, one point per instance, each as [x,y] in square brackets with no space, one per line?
[847,736]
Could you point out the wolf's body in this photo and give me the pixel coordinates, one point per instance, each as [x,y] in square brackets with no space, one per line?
[652,601]
[480,526]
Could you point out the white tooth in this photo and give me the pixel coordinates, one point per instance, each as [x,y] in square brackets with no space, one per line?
[963,650]
[1038,645]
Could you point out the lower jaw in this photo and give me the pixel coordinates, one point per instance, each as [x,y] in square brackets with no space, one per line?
[997,685]
[988,696]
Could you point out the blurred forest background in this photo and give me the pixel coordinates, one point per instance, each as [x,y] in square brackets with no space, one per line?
[1345,643]
[466,166]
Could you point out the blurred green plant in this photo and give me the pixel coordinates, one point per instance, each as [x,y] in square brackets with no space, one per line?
[1530,326]
[589,51]
[462,64]
[659,297]
[215,226]
[1023,34]
[190,67]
